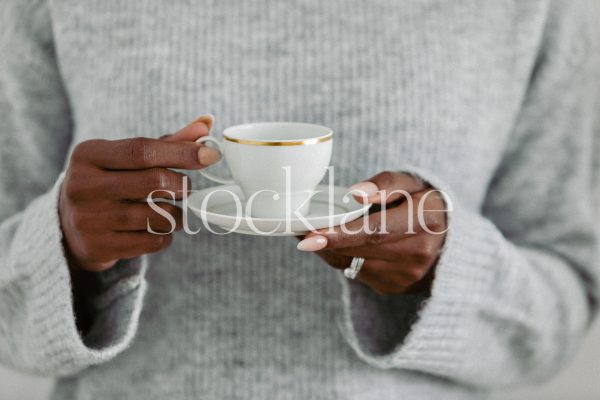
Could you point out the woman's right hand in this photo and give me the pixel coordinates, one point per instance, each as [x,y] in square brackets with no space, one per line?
[102,211]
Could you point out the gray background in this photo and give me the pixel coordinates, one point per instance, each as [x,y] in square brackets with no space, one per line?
[580,380]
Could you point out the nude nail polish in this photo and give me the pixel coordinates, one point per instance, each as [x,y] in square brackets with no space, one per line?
[206,119]
[208,156]
[362,189]
[313,243]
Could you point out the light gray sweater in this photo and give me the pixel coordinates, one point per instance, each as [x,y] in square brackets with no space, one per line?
[497,104]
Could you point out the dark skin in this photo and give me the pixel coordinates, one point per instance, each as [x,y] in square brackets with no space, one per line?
[102,211]
[396,262]
[104,218]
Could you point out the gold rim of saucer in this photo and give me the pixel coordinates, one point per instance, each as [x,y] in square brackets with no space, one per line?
[281,142]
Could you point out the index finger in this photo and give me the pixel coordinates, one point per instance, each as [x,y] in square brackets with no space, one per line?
[201,126]
[139,153]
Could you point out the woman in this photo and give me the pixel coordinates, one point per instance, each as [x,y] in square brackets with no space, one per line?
[495,105]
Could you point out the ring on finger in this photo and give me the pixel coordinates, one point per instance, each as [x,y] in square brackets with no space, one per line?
[355,266]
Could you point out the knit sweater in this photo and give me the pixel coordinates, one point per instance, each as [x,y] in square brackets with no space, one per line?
[498,105]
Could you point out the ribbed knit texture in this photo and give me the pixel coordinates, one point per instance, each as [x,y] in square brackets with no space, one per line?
[498,105]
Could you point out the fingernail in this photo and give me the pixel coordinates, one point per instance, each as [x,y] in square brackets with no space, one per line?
[364,189]
[208,156]
[313,243]
[206,119]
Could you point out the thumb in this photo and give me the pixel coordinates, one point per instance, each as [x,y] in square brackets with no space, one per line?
[201,126]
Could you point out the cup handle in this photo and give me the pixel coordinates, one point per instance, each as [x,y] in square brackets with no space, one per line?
[208,175]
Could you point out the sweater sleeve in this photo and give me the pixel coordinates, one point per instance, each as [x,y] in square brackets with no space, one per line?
[516,285]
[38,330]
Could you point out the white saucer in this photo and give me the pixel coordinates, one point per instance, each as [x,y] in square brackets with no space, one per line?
[220,210]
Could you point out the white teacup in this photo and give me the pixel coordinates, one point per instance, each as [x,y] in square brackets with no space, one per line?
[276,164]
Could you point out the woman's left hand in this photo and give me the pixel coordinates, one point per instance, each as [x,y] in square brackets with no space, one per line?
[398,257]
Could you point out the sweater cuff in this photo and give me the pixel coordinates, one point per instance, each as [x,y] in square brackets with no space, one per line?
[431,334]
[57,345]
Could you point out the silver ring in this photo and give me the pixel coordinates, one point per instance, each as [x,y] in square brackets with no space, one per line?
[352,271]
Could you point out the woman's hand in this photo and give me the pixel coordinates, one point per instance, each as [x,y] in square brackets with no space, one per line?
[398,257]
[102,211]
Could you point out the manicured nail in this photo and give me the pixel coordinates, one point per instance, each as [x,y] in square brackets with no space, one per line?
[208,156]
[362,189]
[206,119]
[313,243]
